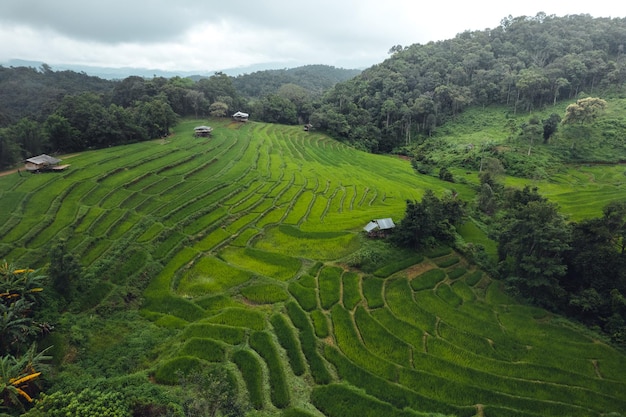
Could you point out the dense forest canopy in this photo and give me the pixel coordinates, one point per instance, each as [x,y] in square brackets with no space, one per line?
[315,79]
[525,63]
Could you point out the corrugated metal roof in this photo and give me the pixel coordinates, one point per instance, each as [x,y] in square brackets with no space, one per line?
[379,224]
[43,159]
[370,226]
[385,223]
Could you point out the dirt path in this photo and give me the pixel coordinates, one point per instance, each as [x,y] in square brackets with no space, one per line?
[9,172]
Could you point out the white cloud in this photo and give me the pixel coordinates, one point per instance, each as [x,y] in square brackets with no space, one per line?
[210,35]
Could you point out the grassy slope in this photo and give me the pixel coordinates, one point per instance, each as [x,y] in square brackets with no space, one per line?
[582,181]
[249,223]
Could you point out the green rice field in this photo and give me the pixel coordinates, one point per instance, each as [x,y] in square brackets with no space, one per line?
[238,243]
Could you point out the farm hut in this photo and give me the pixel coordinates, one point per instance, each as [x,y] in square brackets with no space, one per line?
[202,131]
[241,116]
[43,163]
[308,127]
[379,227]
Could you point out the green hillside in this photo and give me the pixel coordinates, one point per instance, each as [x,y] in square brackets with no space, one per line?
[240,250]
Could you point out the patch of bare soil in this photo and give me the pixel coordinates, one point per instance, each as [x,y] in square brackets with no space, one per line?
[9,172]
[417,269]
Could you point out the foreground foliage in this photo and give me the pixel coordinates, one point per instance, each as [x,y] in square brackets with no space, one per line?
[21,364]
[186,264]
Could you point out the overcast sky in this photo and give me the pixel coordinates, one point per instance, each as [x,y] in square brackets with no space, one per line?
[209,35]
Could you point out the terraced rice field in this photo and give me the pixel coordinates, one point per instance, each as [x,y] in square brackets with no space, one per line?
[241,237]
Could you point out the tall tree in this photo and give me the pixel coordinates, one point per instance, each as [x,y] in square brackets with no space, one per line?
[550,126]
[582,113]
[9,150]
[429,221]
[30,137]
[532,131]
[62,135]
[64,270]
[532,242]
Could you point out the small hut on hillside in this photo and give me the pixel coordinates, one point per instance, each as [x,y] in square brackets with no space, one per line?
[379,227]
[241,116]
[42,163]
[202,131]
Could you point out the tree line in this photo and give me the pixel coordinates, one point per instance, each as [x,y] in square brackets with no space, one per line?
[46,111]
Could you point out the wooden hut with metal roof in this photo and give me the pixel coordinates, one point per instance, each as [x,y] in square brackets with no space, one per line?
[202,131]
[379,227]
[241,116]
[42,163]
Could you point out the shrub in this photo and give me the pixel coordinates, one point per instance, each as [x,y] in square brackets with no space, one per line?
[88,402]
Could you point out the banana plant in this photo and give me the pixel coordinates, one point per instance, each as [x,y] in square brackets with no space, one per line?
[18,378]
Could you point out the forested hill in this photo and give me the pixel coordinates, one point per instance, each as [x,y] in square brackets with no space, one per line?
[34,93]
[315,79]
[525,63]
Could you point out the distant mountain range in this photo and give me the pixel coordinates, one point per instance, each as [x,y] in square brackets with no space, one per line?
[121,73]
